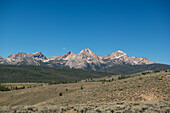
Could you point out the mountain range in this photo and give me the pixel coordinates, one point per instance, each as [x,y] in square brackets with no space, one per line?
[86,60]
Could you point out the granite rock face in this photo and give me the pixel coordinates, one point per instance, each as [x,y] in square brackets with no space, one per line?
[86,59]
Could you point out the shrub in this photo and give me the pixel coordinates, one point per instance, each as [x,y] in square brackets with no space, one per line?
[140,78]
[3,88]
[159,78]
[156,71]
[81,88]
[60,94]
[123,77]
[120,89]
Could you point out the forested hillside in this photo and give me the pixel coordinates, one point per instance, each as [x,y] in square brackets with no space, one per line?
[131,69]
[11,73]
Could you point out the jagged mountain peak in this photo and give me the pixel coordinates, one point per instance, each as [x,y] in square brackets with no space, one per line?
[67,54]
[85,59]
[87,50]
[39,55]
[16,55]
[39,52]
[116,54]
[119,51]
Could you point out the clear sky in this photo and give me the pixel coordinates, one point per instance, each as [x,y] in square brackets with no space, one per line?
[140,28]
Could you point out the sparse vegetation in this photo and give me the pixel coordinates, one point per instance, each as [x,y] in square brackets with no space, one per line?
[130,94]
[121,107]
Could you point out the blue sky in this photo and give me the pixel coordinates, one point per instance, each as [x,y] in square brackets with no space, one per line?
[138,27]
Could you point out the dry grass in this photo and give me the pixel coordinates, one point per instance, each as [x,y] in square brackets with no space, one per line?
[152,87]
[33,96]
[144,107]
[142,88]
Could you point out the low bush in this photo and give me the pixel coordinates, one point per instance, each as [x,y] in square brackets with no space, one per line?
[3,88]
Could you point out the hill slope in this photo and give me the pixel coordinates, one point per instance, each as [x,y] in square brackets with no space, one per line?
[140,93]
[150,88]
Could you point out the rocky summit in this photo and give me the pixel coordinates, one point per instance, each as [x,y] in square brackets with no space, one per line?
[86,59]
